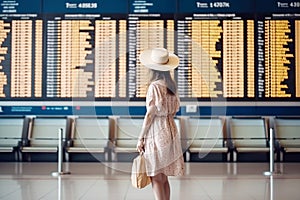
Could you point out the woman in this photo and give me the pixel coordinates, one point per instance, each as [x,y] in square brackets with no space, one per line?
[159,138]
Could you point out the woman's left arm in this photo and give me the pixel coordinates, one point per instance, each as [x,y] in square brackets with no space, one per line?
[149,116]
[147,121]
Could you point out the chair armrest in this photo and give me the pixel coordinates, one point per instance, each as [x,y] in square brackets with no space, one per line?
[69,143]
[24,143]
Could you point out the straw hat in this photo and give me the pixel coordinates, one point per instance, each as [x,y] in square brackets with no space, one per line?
[159,59]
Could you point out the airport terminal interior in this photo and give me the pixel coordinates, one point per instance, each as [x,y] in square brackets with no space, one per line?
[73,92]
[207,181]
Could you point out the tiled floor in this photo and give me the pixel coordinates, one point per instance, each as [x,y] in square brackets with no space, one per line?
[203,181]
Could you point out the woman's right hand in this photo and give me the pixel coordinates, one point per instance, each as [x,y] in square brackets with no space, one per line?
[140,146]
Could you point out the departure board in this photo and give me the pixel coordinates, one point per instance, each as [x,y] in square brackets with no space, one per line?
[216,43]
[278,49]
[150,25]
[21,50]
[232,50]
[82,49]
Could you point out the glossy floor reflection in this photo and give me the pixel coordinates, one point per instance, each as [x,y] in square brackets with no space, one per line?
[204,181]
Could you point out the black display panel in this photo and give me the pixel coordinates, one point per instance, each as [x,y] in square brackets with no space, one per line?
[150,24]
[86,47]
[21,50]
[278,46]
[232,50]
[217,44]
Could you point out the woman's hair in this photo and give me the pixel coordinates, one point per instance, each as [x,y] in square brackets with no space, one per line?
[165,76]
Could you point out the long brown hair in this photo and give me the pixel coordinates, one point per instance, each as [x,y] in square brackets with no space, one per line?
[166,77]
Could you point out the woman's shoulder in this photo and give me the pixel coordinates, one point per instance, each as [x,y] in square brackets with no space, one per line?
[158,83]
[157,86]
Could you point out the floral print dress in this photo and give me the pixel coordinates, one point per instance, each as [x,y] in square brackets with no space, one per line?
[163,153]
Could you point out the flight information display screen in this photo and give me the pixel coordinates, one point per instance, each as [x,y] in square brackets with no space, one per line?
[60,50]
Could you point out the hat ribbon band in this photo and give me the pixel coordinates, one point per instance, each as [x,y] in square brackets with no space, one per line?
[162,62]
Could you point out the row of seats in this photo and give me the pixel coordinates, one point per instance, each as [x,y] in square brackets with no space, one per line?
[115,137]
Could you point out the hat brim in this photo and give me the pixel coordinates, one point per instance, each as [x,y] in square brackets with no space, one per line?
[172,63]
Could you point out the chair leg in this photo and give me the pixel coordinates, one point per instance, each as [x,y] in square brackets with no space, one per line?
[114,156]
[16,155]
[187,156]
[20,156]
[234,156]
[106,156]
[228,156]
[67,156]
[281,156]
